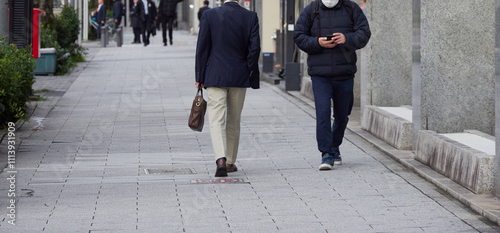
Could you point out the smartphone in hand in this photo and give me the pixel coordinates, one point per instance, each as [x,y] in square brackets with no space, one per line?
[330,37]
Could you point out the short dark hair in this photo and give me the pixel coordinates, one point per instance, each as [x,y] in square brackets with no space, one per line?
[206,2]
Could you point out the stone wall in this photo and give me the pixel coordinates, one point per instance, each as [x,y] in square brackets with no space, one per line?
[457,65]
[388,79]
[497,88]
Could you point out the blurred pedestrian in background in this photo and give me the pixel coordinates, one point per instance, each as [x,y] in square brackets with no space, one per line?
[150,27]
[167,13]
[100,14]
[117,12]
[203,9]
[137,17]
[146,22]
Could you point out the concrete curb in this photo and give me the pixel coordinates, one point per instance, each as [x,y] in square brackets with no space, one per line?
[486,205]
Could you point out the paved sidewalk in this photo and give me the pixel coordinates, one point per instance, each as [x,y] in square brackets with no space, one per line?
[110,151]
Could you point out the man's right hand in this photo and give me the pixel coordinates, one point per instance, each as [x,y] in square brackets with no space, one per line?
[323,42]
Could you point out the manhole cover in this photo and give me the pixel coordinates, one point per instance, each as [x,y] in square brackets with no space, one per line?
[217,181]
[175,171]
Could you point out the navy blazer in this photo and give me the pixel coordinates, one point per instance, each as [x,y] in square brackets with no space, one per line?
[117,10]
[101,15]
[228,48]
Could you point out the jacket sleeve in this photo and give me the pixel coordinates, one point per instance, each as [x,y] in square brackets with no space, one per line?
[115,10]
[254,53]
[302,34]
[361,35]
[103,13]
[203,48]
[141,10]
[160,6]
[153,10]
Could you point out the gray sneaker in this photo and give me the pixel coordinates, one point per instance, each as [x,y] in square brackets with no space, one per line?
[327,162]
[337,160]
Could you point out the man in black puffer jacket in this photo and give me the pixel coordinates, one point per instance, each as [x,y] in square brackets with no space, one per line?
[330,32]
[166,12]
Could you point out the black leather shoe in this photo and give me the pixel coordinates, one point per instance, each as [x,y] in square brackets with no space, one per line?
[221,168]
[231,168]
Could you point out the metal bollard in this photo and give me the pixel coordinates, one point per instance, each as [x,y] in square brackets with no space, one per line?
[119,36]
[292,76]
[104,36]
[107,35]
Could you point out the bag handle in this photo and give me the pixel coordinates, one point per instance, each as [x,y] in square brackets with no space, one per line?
[199,95]
[200,91]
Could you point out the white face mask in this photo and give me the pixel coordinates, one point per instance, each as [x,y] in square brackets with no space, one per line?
[330,3]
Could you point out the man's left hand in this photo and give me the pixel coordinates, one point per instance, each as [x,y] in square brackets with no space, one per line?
[338,38]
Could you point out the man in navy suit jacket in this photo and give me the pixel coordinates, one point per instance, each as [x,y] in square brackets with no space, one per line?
[117,12]
[227,57]
[100,16]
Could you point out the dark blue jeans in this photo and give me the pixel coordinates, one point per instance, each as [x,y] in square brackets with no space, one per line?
[328,136]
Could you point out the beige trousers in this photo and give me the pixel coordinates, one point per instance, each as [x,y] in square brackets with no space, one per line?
[224,115]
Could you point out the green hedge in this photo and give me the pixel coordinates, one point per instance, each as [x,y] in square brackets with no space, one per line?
[63,39]
[16,80]
[67,27]
[17,65]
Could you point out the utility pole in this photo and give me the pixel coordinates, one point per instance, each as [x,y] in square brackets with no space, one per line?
[292,67]
[127,12]
[85,20]
[78,7]
[289,28]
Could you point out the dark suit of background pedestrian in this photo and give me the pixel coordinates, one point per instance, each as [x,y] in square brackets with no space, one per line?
[151,29]
[117,12]
[203,9]
[227,57]
[146,23]
[100,18]
[167,14]
[137,17]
